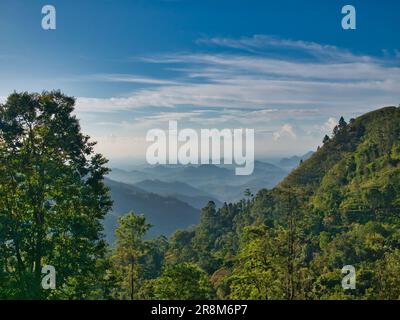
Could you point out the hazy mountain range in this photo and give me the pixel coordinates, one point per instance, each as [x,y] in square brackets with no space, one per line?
[171,196]
[165,214]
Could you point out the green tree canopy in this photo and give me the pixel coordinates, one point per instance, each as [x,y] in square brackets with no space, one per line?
[185,281]
[52,197]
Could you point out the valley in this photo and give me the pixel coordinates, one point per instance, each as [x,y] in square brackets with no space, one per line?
[182,191]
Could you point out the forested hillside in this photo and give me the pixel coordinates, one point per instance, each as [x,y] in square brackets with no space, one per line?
[341,207]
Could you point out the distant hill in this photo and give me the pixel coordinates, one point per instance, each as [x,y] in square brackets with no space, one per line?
[171,196]
[130,177]
[293,162]
[167,188]
[196,183]
[166,214]
[179,190]
[232,188]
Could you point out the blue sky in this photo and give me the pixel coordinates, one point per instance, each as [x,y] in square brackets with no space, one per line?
[285,68]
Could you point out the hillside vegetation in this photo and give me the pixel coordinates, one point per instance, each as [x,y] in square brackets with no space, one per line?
[338,209]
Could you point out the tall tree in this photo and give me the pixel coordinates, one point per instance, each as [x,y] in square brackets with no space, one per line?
[291,207]
[52,197]
[130,248]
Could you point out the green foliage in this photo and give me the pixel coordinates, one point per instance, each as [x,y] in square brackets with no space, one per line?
[52,198]
[184,281]
[130,249]
[340,207]
[387,276]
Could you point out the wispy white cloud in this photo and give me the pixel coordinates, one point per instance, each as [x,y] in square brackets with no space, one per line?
[285,130]
[128,78]
[290,98]
[236,80]
[329,125]
[226,66]
[262,43]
